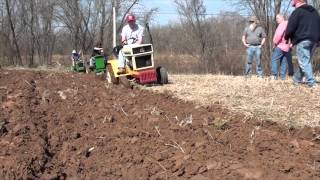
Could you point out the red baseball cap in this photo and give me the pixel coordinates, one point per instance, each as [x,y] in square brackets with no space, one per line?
[131,17]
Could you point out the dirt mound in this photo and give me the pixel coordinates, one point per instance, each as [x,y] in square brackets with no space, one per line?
[74,126]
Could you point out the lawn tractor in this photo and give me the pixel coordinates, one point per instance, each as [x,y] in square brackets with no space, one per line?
[99,67]
[78,66]
[139,66]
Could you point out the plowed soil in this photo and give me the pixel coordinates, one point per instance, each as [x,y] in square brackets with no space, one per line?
[74,126]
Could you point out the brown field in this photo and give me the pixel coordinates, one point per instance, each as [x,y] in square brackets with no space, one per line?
[60,125]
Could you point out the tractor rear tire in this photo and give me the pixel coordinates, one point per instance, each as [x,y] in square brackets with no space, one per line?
[110,76]
[162,75]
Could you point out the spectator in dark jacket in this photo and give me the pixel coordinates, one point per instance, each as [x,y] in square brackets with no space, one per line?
[304,31]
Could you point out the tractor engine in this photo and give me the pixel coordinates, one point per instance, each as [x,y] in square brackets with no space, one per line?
[140,60]
[140,56]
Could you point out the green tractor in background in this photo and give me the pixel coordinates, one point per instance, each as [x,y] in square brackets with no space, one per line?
[78,64]
[99,66]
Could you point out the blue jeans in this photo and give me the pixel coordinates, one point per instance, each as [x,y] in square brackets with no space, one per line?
[282,57]
[290,65]
[305,50]
[251,52]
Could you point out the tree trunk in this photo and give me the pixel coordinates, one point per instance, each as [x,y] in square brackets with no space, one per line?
[33,38]
[103,20]
[15,41]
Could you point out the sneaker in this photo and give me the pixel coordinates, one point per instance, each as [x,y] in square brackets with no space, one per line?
[121,71]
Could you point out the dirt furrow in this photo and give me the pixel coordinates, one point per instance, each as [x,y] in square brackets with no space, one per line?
[72,126]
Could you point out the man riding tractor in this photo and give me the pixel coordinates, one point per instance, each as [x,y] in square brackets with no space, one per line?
[134,60]
[132,33]
[77,63]
[98,61]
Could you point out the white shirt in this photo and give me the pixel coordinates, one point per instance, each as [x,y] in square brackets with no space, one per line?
[131,34]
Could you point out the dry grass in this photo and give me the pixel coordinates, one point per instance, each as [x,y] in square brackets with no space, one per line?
[56,68]
[266,99]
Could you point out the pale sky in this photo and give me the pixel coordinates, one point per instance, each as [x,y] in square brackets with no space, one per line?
[168,13]
[167,9]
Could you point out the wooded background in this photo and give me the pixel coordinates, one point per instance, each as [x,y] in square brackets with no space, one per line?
[44,32]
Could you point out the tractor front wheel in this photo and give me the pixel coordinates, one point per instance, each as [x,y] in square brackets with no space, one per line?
[110,75]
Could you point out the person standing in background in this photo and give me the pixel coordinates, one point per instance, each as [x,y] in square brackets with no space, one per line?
[304,31]
[281,50]
[253,39]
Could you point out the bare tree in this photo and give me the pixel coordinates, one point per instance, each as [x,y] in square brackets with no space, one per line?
[148,16]
[105,14]
[49,37]
[87,21]
[192,14]
[36,32]
[3,46]
[146,19]
[9,6]
[177,48]
[69,15]
[30,29]
[32,41]
[88,26]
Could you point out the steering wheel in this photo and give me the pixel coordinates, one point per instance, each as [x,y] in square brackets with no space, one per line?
[134,40]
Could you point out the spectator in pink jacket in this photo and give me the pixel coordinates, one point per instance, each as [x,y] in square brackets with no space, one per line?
[282,51]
